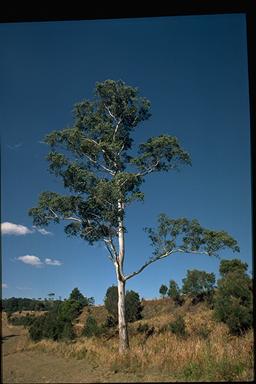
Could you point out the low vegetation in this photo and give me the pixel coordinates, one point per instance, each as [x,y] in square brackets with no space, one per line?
[185,340]
[186,345]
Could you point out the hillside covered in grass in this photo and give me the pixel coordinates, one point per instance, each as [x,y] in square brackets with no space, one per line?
[204,351]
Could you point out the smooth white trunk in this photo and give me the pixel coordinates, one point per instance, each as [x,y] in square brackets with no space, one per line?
[122,326]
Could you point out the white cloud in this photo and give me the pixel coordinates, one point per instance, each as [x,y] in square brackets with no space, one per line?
[52,262]
[31,260]
[14,229]
[4,285]
[24,288]
[35,261]
[42,230]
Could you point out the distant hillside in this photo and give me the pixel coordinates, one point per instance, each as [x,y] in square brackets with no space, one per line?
[157,313]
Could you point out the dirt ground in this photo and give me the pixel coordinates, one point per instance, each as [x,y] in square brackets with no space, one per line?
[21,366]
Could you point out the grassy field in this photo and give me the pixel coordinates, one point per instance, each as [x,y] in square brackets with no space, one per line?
[206,353]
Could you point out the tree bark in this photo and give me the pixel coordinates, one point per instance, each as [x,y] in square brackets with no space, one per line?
[122,325]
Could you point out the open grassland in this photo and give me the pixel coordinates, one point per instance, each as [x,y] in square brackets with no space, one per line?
[206,353]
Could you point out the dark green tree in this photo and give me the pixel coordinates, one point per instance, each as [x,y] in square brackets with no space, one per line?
[132,304]
[77,296]
[233,301]
[91,327]
[110,302]
[199,285]
[163,290]
[94,160]
[174,292]
[233,265]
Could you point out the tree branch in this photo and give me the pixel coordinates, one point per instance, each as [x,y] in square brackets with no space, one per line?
[116,129]
[110,112]
[102,150]
[55,216]
[111,247]
[110,256]
[159,258]
[118,122]
[148,170]
[100,165]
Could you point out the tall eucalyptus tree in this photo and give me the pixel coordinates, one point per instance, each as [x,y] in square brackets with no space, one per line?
[95,162]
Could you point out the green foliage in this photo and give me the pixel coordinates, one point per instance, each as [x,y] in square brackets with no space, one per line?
[163,290]
[233,299]
[163,151]
[67,332]
[233,265]
[133,307]
[213,370]
[110,322]
[110,302]
[174,292]
[91,327]
[78,297]
[178,327]
[36,330]
[91,157]
[15,304]
[58,322]
[26,321]
[183,235]
[199,285]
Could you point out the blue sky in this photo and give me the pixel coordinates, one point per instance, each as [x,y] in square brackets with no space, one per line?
[193,69]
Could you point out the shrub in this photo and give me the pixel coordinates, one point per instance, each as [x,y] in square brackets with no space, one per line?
[203,332]
[57,324]
[233,298]
[68,332]
[36,330]
[91,327]
[26,321]
[110,322]
[178,327]
[143,328]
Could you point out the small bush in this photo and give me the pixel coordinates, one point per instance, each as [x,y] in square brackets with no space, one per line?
[91,327]
[178,327]
[110,322]
[203,333]
[192,371]
[68,332]
[143,328]
[36,329]
[26,321]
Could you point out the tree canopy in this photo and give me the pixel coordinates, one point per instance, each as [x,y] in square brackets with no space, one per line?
[198,284]
[92,158]
[233,302]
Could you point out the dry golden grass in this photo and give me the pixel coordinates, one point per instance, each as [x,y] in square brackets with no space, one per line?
[211,355]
